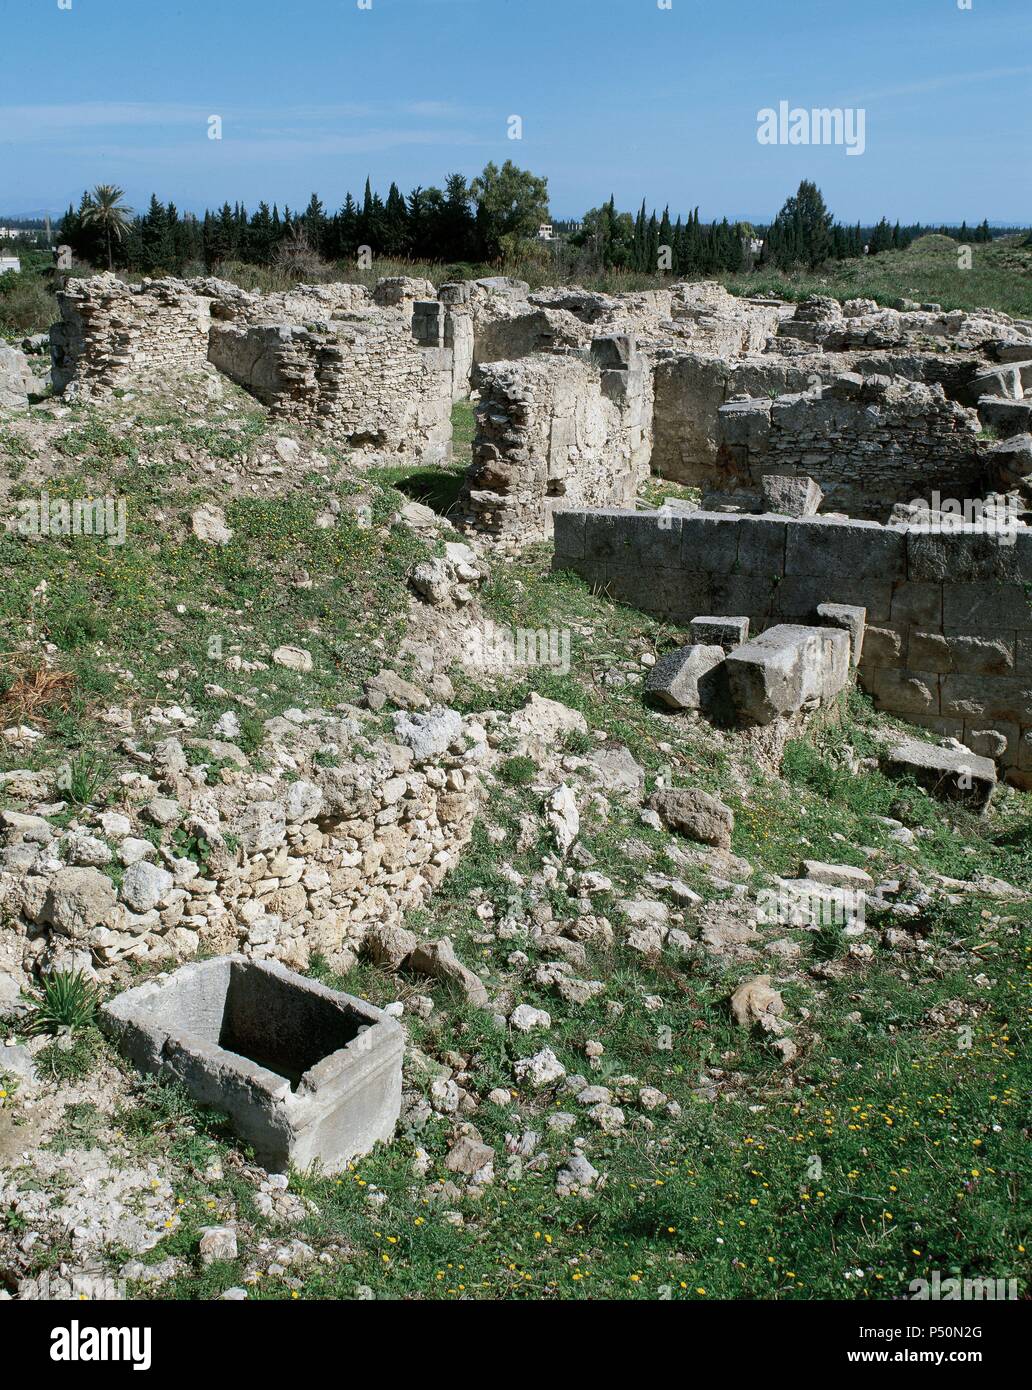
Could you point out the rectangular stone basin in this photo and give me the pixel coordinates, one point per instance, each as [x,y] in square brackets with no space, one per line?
[308,1076]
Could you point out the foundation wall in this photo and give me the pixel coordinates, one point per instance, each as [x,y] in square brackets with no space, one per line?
[949,635]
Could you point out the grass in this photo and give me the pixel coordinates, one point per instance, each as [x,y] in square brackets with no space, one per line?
[928,271]
[27,303]
[165,602]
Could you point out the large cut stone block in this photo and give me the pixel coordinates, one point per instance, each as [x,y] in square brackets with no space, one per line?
[709,542]
[791,496]
[910,693]
[761,545]
[949,773]
[690,678]
[1004,382]
[850,618]
[306,1074]
[824,547]
[720,632]
[1005,417]
[16,379]
[653,538]
[787,668]
[569,530]
[1010,462]
[797,597]
[970,553]
[607,534]
[976,607]
[1003,697]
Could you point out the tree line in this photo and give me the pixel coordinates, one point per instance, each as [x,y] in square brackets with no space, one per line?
[484,219]
[804,233]
[491,218]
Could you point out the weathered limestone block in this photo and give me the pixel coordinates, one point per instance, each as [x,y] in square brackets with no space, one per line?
[16,378]
[888,646]
[438,960]
[950,773]
[695,814]
[823,547]
[798,496]
[786,669]
[851,619]
[722,632]
[689,678]
[1005,418]
[1010,463]
[1008,382]
[394,290]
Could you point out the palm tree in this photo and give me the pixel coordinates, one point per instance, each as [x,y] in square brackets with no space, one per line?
[106,211]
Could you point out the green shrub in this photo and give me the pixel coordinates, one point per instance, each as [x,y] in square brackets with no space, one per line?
[26,305]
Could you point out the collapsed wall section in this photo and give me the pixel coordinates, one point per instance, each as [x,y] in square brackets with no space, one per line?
[558,431]
[708,318]
[858,324]
[302,858]
[868,442]
[948,643]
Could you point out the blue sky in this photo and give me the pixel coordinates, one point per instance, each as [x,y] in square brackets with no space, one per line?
[615,96]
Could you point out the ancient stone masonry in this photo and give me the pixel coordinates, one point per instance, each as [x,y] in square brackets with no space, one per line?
[374,369]
[691,387]
[948,643]
[369,382]
[868,442]
[875,404]
[458,335]
[719,323]
[558,431]
[111,334]
[308,1075]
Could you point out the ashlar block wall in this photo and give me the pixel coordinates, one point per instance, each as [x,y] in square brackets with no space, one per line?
[949,636]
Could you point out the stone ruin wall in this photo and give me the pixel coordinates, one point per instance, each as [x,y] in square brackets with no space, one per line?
[375,368]
[949,637]
[558,431]
[111,335]
[381,381]
[690,388]
[378,369]
[858,324]
[868,442]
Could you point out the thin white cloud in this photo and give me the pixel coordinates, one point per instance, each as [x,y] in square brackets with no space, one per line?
[26,124]
[946,81]
[275,152]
